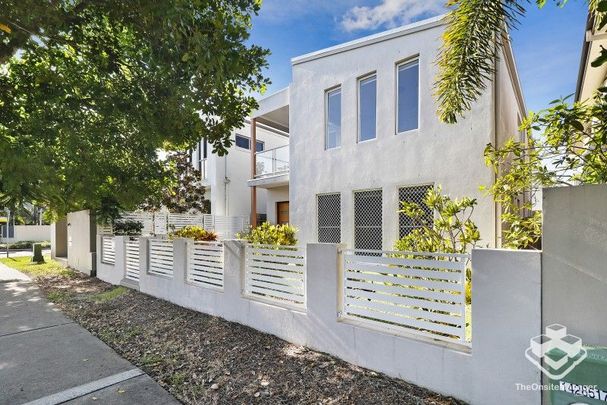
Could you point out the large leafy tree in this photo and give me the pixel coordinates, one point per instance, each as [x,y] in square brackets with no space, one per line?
[566,143]
[90,91]
[184,193]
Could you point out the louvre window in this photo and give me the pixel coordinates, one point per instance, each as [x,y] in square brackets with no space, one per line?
[368,220]
[329,218]
[415,194]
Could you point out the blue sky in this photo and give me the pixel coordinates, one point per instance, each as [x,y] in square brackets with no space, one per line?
[547,44]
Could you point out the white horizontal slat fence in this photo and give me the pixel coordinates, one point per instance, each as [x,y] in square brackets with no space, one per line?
[178,221]
[276,274]
[420,293]
[131,257]
[205,264]
[161,257]
[108,249]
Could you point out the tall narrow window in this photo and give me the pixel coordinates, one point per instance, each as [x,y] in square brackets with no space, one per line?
[329,218]
[333,126]
[408,96]
[414,194]
[367,108]
[368,219]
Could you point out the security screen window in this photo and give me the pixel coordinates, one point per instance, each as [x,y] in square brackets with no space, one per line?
[367,108]
[408,96]
[333,129]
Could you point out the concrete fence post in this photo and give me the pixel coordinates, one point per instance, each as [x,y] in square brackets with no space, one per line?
[120,256]
[233,283]
[180,260]
[144,256]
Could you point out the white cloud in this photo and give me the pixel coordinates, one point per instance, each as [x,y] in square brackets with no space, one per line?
[390,13]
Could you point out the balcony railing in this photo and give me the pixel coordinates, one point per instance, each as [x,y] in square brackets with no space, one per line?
[272,161]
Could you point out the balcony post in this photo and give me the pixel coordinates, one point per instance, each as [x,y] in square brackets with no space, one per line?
[253,172]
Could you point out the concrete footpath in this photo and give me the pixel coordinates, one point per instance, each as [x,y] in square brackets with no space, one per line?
[45,358]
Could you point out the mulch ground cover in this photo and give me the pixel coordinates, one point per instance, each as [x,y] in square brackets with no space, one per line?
[202,359]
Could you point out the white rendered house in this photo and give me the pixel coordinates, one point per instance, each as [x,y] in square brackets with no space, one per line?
[225,177]
[364,135]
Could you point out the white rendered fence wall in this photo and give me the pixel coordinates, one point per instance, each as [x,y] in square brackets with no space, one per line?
[421,293]
[131,247]
[276,274]
[161,257]
[108,250]
[205,264]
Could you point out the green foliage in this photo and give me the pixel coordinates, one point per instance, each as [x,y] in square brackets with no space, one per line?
[109,295]
[183,192]
[194,232]
[471,43]
[99,87]
[568,148]
[451,230]
[127,228]
[25,244]
[49,268]
[269,234]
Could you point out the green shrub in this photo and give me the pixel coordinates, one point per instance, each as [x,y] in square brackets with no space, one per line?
[268,234]
[26,244]
[127,228]
[194,232]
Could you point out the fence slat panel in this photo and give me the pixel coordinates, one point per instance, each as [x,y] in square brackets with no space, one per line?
[161,257]
[276,274]
[108,250]
[424,294]
[132,259]
[205,264]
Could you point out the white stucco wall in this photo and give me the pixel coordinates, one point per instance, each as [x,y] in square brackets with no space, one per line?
[574,273]
[34,233]
[449,155]
[81,241]
[506,314]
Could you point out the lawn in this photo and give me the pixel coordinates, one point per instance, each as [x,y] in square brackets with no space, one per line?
[47,269]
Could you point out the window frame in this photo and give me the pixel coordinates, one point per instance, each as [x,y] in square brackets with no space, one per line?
[409,61]
[359,82]
[327,94]
[248,138]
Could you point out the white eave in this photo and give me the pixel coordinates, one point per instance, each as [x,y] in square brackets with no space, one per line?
[372,39]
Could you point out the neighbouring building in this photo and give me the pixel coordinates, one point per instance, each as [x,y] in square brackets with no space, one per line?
[225,177]
[591,78]
[364,135]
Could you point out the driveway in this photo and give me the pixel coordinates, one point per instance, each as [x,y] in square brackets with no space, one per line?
[45,358]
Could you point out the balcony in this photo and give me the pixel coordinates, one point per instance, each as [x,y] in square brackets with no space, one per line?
[271,168]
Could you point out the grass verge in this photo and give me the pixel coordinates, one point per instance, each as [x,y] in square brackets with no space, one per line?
[49,268]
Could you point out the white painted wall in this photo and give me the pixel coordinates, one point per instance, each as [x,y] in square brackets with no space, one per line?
[81,241]
[506,314]
[574,272]
[449,155]
[228,175]
[34,233]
